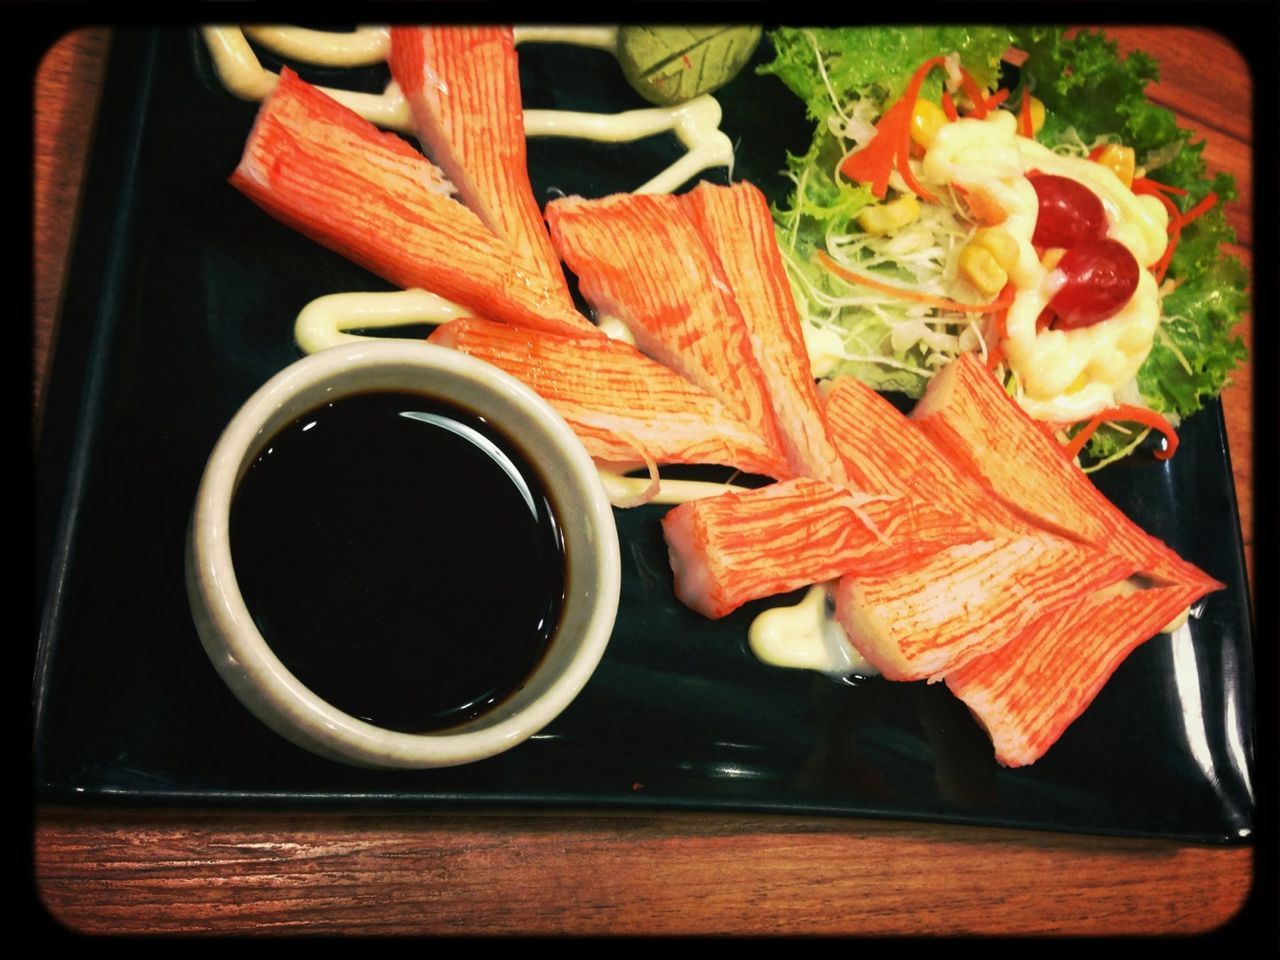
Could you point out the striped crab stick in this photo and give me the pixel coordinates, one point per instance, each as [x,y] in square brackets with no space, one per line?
[640,258]
[462,84]
[621,404]
[745,546]
[884,450]
[1029,691]
[967,600]
[730,549]
[737,225]
[984,431]
[319,168]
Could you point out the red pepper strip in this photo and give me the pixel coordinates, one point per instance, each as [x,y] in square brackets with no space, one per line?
[1096,152]
[1027,128]
[1131,414]
[1175,234]
[874,162]
[995,353]
[975,94]
[997,98]
[1174,228]
[949,106]
[995,356]
[891,146]
[1002,318]
[910,97]
[1014,56]
[1177,219]
[1001,302]
[904,168]
[1153,187]
[1200,209]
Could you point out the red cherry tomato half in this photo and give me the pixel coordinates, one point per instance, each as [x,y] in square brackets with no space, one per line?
[1099,276]
[1069,211]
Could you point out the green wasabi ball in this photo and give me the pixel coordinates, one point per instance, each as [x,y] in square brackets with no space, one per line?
[670,65]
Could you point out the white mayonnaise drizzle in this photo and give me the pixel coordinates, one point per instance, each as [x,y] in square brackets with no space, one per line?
[362,47]
[324,322]
[696,124]
[620,487]
[807,637]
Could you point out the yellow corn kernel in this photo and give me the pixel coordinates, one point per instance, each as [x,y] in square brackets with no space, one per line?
[1037,116]
[1000,244]
[1079,383]
[926,120]
[979,267]
[1119,160]
[885,218]
[1049,259]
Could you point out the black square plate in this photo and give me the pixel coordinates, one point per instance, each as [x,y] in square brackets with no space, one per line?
[181,301]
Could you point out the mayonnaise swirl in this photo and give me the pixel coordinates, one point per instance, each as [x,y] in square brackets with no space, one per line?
[696,124]
[1065,375]
[807,636]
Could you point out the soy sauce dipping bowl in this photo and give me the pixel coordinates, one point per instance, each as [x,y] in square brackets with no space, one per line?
[245,660]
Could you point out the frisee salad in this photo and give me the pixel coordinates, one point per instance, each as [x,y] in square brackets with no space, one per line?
[897,268]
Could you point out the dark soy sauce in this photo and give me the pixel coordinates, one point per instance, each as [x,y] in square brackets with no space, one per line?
[401,557]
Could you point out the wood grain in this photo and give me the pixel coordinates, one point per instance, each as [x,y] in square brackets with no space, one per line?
[103,870]
[155,872]
[67,90]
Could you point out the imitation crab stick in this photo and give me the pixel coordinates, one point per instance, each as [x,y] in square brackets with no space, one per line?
[623,406]
[462,84]
[1030,690]
[321,169]
[736,223]
[967,600]
[737,547]
[980,427]
[885,451]
[641,259]
[976,424]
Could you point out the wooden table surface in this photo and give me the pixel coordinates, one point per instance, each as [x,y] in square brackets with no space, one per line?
[108,870]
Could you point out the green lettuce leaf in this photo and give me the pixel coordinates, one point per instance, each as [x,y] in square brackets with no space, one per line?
[876,61]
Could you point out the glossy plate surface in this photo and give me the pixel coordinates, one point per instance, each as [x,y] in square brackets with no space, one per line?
[181,303]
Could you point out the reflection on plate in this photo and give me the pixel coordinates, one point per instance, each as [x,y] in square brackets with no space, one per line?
[183,305]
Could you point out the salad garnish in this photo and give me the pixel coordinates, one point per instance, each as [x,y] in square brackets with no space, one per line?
[895,274]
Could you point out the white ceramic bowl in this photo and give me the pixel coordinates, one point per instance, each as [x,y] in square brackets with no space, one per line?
[247,663]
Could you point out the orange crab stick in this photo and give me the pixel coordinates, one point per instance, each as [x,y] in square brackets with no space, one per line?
[641,259]
[885,451]
[621,404]
[1029,691]
[982,429]
[736,223]
[324,171]
[463,88]
[967,600]
[737,547]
